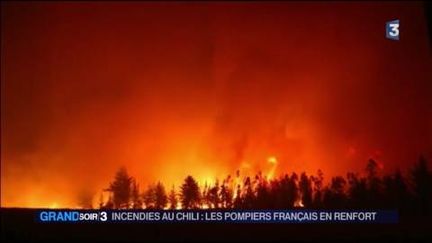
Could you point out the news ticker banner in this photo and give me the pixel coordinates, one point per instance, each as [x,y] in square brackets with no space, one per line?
[223,216]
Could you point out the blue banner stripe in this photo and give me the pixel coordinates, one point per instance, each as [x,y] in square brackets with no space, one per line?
[226,216]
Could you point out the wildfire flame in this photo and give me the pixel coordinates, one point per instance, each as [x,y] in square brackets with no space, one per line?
[273,161]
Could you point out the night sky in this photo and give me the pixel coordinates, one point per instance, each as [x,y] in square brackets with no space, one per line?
[171,89]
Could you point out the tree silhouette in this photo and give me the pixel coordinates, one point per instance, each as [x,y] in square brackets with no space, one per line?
[371,168]
[172,198]
[212,196]
[374,184]
[190,193]
[372,191]
[136,199]
[358,191]
[284,193]
[262,195]
[305,187]
[226,193]
[161,199]
[396,193]
[422,185]
[149,197]
[121,188]
[334,196]
[317,188]
[293,192]
[249,197]
[238,198]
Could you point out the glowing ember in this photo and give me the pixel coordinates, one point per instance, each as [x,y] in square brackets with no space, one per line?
[298,203]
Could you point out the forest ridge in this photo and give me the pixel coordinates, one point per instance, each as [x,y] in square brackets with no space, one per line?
[411,194]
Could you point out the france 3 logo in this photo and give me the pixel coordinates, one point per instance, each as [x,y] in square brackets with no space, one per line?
[392,29]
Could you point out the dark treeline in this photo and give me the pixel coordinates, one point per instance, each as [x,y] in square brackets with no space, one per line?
[411,194]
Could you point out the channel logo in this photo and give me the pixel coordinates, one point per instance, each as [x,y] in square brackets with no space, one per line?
[71,216]
[392,29]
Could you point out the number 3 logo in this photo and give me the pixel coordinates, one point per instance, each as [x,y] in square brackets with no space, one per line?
[392,30]
[103,216]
